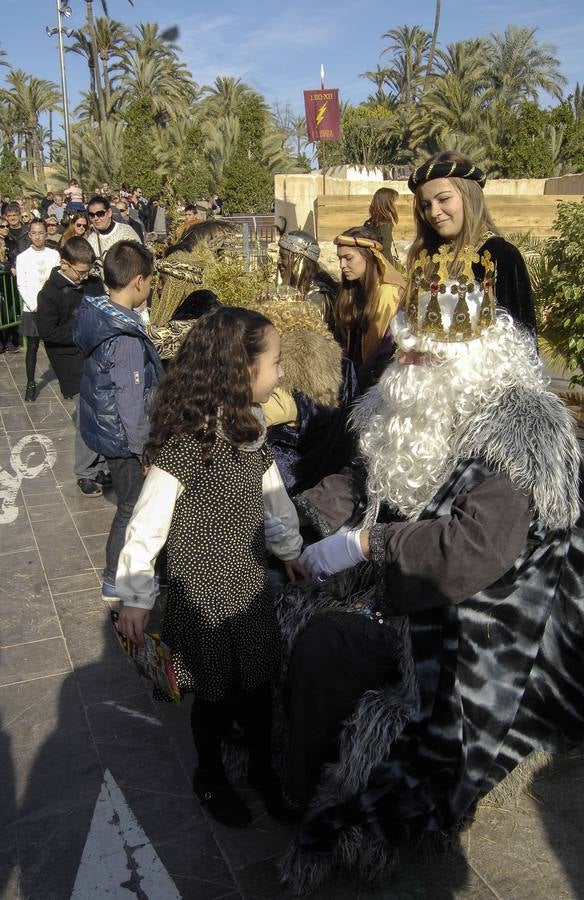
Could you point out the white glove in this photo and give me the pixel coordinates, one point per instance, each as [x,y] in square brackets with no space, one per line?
[333,554]
[274,528]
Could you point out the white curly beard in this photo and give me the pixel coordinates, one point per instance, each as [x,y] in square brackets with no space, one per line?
[409,441]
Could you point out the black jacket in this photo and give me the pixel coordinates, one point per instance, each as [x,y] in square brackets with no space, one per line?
[58,304]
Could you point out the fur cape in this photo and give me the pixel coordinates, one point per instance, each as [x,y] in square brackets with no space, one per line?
[482,684]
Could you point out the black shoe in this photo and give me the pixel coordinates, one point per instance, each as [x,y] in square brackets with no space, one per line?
[2,348]
[89,487]
[269,787]
[222,802]
[104,478]
[30,393]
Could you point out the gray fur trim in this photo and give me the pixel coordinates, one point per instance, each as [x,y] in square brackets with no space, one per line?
[379,718]
[356,854]
[364,408]
[529,436]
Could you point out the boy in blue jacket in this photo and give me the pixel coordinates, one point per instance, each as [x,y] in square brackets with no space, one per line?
[120,374]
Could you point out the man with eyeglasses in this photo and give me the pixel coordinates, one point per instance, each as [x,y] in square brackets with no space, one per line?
[105,232]
[18,238]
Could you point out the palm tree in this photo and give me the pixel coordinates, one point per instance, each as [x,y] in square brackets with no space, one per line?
[409,48]
[111,37]
[298,133]
[433,45]
[379,77]
[520,66]
[168,86]
[28,98]
[225,96]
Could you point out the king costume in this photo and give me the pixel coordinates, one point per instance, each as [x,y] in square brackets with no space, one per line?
[418,678]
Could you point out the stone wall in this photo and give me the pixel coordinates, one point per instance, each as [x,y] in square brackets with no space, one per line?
[296,195]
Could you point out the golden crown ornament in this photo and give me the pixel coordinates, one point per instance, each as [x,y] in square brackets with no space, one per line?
[447,307]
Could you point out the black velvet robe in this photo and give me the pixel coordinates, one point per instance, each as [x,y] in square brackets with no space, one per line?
[513,287]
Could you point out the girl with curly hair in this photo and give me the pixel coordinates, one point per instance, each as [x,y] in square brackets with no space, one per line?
[211,479]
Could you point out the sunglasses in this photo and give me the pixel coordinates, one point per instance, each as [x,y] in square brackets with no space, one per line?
[97,215]
[4,226]
[80,225]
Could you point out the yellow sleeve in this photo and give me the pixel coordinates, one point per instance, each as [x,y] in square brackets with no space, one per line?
[389,298]
[280,409]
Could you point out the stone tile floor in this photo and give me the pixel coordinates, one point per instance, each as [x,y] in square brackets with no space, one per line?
[95,797]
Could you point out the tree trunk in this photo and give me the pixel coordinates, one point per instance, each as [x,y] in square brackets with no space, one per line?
[432,46]
[38,167]
[95,58]
[106,83]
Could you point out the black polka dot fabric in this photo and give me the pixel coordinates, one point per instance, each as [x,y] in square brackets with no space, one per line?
[219,622]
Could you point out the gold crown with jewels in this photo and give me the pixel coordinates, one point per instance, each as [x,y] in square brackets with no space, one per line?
[447,307]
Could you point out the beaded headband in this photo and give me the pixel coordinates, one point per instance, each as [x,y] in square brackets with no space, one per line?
[429,170]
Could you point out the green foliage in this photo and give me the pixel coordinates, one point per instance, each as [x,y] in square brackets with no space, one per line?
[138,162]
[560,290]
[365,138]
[247,186]
[10,179]
[194,179]
[252,126]
[523,151]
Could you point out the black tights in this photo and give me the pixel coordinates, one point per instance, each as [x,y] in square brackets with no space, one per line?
[31,357]
[210,720]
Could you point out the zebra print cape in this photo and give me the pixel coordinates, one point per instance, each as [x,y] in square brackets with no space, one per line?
[482,684]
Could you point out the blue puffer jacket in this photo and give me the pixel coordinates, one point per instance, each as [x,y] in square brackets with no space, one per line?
[97,325]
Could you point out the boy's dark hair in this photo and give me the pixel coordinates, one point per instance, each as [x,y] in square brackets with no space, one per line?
[77,250]
[123,262]
[97,198]
[12,207]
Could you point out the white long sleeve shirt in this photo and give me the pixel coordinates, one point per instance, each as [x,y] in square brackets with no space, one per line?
[148,530]
[33,268]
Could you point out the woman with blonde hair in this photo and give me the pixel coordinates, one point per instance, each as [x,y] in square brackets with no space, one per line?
[370,293]
[383,217]
[454,230]
[77,227]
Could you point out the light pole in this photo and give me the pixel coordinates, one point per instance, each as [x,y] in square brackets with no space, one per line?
[63,10]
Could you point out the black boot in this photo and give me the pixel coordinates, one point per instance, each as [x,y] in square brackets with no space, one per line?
[223,803]
[269,787]
[30,393]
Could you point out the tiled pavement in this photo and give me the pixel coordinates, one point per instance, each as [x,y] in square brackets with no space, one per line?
[72,709]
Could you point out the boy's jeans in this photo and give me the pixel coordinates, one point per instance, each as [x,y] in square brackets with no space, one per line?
[127,481]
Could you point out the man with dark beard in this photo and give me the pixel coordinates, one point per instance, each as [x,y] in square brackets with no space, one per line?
[440,643]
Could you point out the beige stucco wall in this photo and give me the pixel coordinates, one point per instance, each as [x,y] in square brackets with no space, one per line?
[295,195]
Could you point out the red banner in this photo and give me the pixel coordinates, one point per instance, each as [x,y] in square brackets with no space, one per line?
[322,114]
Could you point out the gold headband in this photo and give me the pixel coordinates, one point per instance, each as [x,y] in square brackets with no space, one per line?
[389,274]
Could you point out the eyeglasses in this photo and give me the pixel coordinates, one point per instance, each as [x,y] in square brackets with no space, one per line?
[99,214]
[4,226]
[81,225]
[81,275]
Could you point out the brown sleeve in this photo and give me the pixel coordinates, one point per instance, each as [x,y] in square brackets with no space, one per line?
[436,562]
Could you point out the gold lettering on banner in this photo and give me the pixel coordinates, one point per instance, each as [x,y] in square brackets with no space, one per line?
[325,96]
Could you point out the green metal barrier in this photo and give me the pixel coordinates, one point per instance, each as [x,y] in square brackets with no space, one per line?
[10,302]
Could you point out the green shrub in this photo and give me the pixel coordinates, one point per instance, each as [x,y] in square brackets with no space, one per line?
[559,288]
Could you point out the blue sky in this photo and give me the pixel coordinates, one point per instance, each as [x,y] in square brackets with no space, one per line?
[278,48]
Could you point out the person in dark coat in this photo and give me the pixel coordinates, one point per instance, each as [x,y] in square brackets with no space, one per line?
[58,304]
